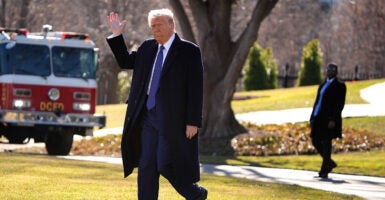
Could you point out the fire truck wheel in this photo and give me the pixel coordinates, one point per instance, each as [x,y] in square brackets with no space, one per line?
[59,143]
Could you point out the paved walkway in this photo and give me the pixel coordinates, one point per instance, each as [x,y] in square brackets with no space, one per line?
[372,188]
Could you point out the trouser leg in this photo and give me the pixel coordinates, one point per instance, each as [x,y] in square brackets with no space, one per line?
[155,160]
[148,175]
[326,155]
[317,145]
[324,148]
[187,190]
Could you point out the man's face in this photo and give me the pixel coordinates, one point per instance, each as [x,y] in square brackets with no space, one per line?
[162,29]
[331,72]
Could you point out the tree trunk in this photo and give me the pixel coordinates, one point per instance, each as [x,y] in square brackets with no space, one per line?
[3,13]
[209,25]
[219,123]
[24,14]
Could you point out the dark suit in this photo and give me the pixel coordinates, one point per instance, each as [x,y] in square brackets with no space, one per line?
[332,104]
[179,103]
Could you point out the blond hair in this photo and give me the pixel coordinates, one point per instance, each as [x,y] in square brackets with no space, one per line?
[161,12]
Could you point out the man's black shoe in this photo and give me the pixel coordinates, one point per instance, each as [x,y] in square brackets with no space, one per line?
[203,194]
[323,175]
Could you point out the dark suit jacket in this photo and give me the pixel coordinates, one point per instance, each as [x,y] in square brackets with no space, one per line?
[179,96]
[333,103]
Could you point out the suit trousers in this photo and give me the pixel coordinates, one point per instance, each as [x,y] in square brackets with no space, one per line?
[322,143]
[155,161]
[324,148]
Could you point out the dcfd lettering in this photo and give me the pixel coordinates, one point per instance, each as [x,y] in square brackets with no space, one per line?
[51,106]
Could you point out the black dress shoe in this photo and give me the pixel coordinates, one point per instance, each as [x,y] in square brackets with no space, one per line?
[203,194]
[323,175]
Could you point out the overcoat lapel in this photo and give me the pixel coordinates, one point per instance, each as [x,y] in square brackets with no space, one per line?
[154,50]
[171,55]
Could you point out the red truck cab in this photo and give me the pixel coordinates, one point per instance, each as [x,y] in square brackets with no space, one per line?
[47,87]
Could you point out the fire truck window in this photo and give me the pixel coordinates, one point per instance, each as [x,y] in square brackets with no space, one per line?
[73,62]
[25,59]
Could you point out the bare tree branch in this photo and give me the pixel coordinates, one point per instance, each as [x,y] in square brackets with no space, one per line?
[183,20]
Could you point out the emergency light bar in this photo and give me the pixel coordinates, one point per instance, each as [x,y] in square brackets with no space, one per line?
[72,35]
[20,31]
[47,33]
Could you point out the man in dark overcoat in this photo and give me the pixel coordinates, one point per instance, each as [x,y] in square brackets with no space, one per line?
[326,119]
[164,111]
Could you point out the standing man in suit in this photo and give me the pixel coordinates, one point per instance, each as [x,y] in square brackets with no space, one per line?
[164,111]
[326,120]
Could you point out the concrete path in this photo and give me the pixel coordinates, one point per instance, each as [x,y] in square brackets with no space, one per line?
[372,188]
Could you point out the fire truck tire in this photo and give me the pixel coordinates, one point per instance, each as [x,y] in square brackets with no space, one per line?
[59,143]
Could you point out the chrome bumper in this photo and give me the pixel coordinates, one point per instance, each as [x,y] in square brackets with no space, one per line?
[32,118]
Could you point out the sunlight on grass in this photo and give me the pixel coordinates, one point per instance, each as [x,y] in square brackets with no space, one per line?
[373,124]
[275,99]
[283,98]
[298,97]
[115,114]
[33,176]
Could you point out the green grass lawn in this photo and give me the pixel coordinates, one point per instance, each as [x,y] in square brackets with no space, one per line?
[373,124]
[276,99]
[34,176]
[297,97]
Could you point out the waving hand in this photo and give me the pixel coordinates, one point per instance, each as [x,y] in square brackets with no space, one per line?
[115,24]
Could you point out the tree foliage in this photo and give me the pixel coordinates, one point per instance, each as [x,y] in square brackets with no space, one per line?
[310,73]
[256,76]
[271,66]
[261,70]
[350,34]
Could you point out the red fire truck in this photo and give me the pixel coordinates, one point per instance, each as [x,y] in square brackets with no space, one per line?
[47,87]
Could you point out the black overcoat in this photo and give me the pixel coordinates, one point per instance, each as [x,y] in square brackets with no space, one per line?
[180,96]
[332,104]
